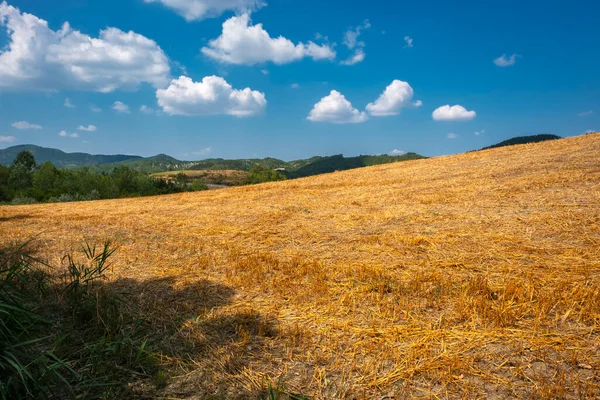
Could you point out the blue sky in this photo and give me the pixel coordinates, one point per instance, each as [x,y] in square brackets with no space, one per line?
[503,69]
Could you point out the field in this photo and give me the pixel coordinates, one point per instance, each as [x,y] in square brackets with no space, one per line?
[468,276]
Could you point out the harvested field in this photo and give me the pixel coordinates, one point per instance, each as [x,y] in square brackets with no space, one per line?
[468,276]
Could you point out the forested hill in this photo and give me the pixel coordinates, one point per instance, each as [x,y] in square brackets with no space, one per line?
[523,140]
[59,158]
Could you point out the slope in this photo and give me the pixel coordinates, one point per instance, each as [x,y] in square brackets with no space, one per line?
[467,276]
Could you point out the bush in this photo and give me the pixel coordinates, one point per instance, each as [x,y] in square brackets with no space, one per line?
[23,200]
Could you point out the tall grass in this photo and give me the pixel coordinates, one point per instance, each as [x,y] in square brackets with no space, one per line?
[64,334]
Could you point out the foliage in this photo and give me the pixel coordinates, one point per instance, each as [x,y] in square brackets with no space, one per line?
[260,174]
[24,183]
[523,140]
[65,335]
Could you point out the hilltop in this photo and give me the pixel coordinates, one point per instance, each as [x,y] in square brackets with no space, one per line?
[523,140]
[468,276]
[61,159]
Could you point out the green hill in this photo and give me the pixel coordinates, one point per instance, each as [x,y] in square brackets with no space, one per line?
[59,158]
[523,140]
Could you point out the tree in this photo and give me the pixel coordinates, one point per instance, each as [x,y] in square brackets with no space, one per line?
[5,193]
[26,159]
[44,178]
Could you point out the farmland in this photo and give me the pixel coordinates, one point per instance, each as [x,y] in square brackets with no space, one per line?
[468,276]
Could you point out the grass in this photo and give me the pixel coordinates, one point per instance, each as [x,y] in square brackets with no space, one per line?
[469,276]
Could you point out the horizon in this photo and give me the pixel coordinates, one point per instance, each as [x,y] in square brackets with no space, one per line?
[244,81]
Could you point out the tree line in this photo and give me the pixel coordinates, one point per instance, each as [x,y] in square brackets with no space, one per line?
[24,181]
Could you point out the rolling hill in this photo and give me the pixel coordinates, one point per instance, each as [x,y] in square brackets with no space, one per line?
[61,159]
[468,276]
[523,140]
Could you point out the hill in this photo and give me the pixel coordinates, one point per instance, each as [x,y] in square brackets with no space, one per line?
[523,140]
[468,276]
[59,158]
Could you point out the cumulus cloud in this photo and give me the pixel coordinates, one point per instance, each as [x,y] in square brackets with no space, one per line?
[336,109]
[89,128]
[38,58]
[246,44]
[504,61]
[7,139]
[65,134]
[409,41]
[193,10]
[25,125]
[454,113]
[396,96]
[352,43]
[452,136]
[481,132]
[96,109]
[68,103]
[397,152]
[585,113]
[210,97]
[120,107]
[294,86]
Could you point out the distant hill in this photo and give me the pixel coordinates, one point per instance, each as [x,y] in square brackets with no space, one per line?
[164,163]
[523,140]
[322,165]
[59,158]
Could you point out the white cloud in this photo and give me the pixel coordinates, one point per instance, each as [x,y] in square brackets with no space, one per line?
[265,71]
[68,103]
[358,56]
[121,107]
[351,42]
[454,113]
[65,134]
[210,97]
[396,96]
[146,110]
[200,9]
[38,58]
[336,109]
[504,61]
[242,43]
[409,41]
[7,139]
[203,152]
[585,113]
[89,128]
[588,131]
[294,86]
[452,136]
[25,125]
[96,109]
[481,132]
[397,152]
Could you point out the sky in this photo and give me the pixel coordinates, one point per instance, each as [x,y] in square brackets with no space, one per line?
[293,79]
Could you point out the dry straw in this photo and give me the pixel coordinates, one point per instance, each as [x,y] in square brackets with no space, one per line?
[469,276]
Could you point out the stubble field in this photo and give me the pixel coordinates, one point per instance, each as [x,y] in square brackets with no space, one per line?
[469,276]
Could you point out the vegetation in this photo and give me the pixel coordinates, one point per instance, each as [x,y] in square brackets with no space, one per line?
[25,182]
[260,174]
[470,276]
[523,140]
[59,158]
[63,334]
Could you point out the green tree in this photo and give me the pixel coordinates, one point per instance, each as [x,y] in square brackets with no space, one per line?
[5,192]
[26,159]
[44,178]
[260,174]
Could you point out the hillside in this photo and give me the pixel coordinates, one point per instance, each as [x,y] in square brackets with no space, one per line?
[467,276]
[523,140]
[59,158]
